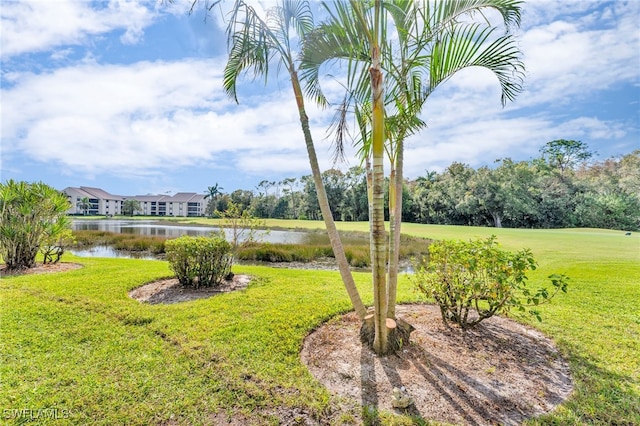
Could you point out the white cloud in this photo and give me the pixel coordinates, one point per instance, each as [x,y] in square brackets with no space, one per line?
[39,25]
[150,115]
[146,118]
[571,50]
[592,128]
[268,162]
[582,56]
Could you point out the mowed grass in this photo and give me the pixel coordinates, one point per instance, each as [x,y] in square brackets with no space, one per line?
[75,341]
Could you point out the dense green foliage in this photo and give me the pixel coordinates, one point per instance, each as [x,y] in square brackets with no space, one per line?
[30,214]
[476,279]
[130,207]
[546,192]
[200,261]
[75,341]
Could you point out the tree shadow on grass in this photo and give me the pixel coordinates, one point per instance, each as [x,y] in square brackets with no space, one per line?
[600,396]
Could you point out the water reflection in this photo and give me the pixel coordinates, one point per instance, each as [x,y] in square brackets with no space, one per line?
[168,230]
[154,228]
[107,251]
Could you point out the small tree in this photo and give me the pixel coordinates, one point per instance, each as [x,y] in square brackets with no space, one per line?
[472,281]
[243,225]
[130,207]
[30,213]
[56,241]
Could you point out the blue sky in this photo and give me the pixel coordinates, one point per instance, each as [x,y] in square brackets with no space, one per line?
[127,96]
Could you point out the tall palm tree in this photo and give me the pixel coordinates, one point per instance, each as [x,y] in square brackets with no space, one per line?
[255,42]
[213,191]
[212,194]
[432,43]
[84,204]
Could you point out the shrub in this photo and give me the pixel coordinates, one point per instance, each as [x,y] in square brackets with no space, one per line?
[30,213]
[200,261]
[358,257]
[472,281]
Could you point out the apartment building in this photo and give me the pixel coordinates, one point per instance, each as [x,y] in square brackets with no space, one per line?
[93,201]
[96,201]
[182,204]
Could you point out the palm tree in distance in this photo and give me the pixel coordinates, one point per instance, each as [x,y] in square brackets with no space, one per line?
[212,194]
[84,204]
[253,43]
[213,191]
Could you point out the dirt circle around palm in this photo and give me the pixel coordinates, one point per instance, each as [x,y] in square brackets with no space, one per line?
[169,290]
[500,372]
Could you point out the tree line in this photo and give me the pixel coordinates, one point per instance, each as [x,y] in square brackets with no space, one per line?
[559,189]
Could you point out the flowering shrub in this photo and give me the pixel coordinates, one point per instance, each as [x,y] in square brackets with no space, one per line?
[472,281]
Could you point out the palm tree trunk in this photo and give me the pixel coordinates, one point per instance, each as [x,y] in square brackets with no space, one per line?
[323,201]
[378,237]
[395,220]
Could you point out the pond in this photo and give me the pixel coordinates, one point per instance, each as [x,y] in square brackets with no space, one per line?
[171,230]
[107,251]
[174,230]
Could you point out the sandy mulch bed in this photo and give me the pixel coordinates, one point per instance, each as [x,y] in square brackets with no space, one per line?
[41,269]
[501,372]
[171,291]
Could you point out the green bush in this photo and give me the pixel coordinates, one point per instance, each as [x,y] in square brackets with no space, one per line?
[200,261]
[31,214]
[472,281]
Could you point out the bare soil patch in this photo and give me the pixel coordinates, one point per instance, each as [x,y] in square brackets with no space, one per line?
[500,372]
[170,290]
[41,269]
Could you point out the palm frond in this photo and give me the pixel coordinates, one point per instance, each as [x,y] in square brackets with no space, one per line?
[340,128]
[249,47]
[470,45]
[254,42]
[337,39]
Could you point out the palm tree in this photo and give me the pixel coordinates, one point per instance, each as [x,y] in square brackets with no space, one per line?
[212,194]
[432,43]
[213,191]
[84,204]
[254,42]
[131,206]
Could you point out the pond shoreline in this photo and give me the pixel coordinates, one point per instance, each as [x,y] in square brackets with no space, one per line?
[324,263]
[292,249]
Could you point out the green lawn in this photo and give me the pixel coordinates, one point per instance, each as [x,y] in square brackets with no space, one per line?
[75,342]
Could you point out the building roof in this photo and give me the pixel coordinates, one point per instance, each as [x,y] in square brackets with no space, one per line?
[100,193]
[184,197]
[149,197]
[180,197]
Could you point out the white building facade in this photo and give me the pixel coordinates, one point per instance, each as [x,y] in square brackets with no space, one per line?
[97,202]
